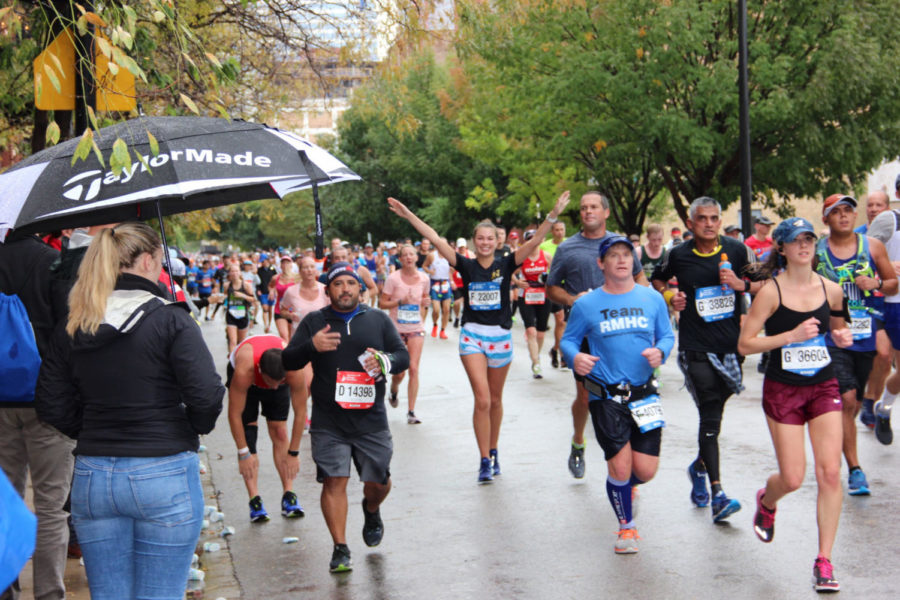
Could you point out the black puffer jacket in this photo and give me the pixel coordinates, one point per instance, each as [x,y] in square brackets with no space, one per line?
[143,385]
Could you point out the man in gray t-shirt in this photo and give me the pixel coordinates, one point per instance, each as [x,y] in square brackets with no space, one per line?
[574,272]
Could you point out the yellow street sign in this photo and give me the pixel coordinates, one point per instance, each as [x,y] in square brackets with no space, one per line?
[55,67]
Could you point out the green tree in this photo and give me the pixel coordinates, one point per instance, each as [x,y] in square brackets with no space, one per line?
[636,90]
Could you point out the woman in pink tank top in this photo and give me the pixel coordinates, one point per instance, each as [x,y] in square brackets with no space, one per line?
[278,286]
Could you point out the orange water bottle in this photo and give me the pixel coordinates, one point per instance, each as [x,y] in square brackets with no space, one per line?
[724,264]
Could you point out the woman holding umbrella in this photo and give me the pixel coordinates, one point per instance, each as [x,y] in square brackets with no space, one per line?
[131,379]
[485,343]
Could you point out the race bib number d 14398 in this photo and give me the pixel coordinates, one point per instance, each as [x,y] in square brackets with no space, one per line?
[714,303]
[806,358]
[484,295]
[354,390]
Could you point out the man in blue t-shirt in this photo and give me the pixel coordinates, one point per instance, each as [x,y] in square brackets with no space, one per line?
[628,334]
[574,272]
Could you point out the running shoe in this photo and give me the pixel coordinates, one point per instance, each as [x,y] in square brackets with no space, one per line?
[340,559]
[412,419]
[823,576]
[536,371]
[627,543]
[456,322]
[576,462]
[883,431]
[699,494]
[258,512]
[554,358]
[495,463]
[562,362]
[484,471]
[857,484]
[443,334]
[373,529]
[392,398]
[434,331]
[723,507]
[764,519]
[290,507]
[867,414]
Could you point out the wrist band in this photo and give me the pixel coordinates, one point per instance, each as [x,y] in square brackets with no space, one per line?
[552,220]
[667,296]
[244,450]
[293,452]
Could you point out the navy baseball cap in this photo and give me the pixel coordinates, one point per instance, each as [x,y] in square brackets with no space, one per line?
[341,268]
[789,229]
[611,241]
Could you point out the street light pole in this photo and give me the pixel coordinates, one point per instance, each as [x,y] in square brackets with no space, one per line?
[744,138]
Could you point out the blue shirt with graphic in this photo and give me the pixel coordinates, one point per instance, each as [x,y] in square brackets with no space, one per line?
[618,327]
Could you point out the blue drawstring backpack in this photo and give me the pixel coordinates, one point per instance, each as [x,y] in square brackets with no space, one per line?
[19,358]
[18,531]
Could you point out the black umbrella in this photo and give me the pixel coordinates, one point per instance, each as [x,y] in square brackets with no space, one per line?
[201,162]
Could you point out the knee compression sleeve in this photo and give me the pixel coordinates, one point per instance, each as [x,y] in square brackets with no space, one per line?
[250,433]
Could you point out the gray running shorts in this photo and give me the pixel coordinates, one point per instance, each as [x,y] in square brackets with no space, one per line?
[371,453]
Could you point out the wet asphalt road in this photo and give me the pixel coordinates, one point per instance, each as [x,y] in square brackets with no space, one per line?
[538,533]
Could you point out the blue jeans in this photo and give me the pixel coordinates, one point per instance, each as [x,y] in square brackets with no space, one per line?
[138,520]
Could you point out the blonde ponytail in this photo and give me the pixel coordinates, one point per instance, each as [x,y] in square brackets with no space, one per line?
[109,252]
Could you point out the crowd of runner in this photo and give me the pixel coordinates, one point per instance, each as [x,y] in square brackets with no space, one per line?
[822,308]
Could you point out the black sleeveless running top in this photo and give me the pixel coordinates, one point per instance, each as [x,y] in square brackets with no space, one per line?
[785,319]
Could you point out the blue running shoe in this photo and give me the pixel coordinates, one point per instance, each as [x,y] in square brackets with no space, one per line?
[699,494]
[495,462]
[290,507]
[484,472]
[258,512]
[857,484]
[723,507]
[867,413]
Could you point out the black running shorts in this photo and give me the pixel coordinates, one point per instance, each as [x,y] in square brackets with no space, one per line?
[274,404]
[614,428]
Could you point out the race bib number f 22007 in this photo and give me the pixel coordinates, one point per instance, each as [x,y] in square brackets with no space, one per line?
[714,303]
[354,390]
[484,295]
[806,358]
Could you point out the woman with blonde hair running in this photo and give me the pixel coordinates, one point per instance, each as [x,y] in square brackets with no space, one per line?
[485,343]
[131,379]
[406,291]
[798,312]
[238,301]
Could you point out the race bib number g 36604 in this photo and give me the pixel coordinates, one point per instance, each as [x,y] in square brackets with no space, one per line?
[806,358]
[409,314]
[647,413]
[714,303]
[354,390]
[484,295]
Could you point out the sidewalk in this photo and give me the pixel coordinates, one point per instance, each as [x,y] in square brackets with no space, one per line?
[219,583]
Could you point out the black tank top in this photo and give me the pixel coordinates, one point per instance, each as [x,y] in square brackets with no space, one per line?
[785,319]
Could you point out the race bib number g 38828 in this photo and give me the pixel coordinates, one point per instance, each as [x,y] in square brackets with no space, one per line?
[647,413]
[484,295]
[806,358]
[354,390]
[409,314]
[714,303]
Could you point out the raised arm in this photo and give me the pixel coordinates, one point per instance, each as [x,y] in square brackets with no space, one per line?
[424,229]
[528,247]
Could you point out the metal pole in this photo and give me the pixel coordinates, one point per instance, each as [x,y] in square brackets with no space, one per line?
[166,257]
[320,235]
[744,138]
[85,84]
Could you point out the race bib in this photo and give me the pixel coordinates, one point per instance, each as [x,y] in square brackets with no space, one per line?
[192,278]
[206,282]
[647,413]
[806,358]
[714,303]
[354,390]
[535,296]
[484,295]
[238,311]
[860,324]
[409,314]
